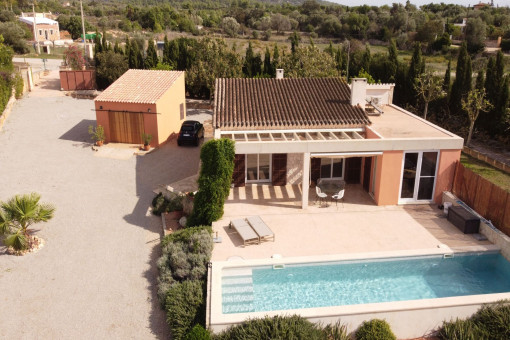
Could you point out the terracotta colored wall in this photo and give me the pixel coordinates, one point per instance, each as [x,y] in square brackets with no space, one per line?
[149,119]
[445,172]
[388,172]
[169,120]
[370,134]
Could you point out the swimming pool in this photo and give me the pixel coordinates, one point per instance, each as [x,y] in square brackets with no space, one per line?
[312,285]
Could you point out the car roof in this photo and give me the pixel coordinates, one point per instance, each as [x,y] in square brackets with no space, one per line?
[190,122]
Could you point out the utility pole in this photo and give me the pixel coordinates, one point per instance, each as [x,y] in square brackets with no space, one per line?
[83,30]
[35,32]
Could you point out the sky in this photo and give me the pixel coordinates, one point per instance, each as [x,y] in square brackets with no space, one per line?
[501,3]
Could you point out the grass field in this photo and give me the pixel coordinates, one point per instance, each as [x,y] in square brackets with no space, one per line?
[498,177]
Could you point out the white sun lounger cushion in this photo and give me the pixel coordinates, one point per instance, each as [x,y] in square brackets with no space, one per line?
[244,230]
[260,227]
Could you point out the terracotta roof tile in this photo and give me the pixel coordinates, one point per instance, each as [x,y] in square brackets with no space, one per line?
[288,103]
[140,86]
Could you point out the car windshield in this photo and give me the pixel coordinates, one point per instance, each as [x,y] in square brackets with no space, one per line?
[187,128]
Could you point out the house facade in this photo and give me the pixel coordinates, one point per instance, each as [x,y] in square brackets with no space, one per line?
[296,131]
[45,29]
[142,102]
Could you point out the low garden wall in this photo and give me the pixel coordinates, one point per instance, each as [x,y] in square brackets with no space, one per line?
[483,157]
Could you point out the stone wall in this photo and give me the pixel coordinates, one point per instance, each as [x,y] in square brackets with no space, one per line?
[294,168]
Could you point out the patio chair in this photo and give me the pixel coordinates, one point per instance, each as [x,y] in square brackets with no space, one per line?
[260,228]
[248,235]
[321,196]
[339,196]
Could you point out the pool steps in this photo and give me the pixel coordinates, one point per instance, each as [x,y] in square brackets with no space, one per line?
[238,294]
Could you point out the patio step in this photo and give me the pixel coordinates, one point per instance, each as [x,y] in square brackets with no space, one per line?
[237,294]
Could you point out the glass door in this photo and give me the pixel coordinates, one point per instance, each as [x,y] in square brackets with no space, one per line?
[258,168]
[332,168]
[418,176]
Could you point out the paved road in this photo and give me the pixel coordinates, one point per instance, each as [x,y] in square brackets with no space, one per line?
[95,277]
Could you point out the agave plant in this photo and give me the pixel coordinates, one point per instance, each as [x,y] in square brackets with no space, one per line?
[18,214]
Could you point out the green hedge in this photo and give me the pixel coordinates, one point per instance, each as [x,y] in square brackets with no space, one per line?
[18,86]
[282,327]
[185,307]
[161,204]
[181,282]
[217,158]
[185,256]
[491,322]
[375,329]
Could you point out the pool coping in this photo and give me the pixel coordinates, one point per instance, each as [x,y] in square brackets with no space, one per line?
[217,320]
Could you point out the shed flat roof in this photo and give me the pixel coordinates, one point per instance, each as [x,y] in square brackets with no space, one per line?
[140,86]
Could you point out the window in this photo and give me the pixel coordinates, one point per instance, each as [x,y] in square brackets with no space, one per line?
[258,168]
[182,111]
[418,176]
[332,168]
[51,32]
[40,32]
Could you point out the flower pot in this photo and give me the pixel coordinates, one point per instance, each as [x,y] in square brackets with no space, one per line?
[99,143]
[146,147]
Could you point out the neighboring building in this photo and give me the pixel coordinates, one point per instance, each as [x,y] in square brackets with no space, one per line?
[46,29]
[142,101]
[482,5]
[295,131]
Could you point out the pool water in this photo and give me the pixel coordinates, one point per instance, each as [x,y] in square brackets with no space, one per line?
[366,281]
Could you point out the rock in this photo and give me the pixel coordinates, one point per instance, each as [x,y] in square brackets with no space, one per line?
[183,221]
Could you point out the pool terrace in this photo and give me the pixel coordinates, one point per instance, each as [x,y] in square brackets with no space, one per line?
[355,225]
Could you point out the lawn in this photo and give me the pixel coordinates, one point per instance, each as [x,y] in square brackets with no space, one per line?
[498,177]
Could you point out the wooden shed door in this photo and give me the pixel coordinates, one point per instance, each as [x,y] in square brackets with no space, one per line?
[279,169]
[239,171]
[126,127]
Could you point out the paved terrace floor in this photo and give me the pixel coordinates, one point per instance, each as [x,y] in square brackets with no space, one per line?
[354,226]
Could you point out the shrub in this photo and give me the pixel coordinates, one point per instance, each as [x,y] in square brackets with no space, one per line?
[198,333]
[278,327]
[18,86]
[489,322]
[184,307]
[73,56]
[459,330]
[375,329]
[217,158]
[505,45]
[161,204]
[185,256]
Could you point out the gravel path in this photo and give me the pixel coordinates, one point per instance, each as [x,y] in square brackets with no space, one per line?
[95,277]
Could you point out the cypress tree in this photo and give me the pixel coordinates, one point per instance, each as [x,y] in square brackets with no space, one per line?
[166,52]
[133,56]
[461,82]
[480,80]
[248,62]
[338,59]
[117,48]
[503,101]
[447,79]
[491,87]
[365,59]
[416,68]
[268,66]
[151,60]
[106,47]
[256,65]
[276,58]
[393,58]
[127,47]
[98,45]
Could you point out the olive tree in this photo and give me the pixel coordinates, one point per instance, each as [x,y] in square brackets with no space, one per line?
[473,104]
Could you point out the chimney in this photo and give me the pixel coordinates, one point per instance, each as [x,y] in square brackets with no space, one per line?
[279,73]
[359,92]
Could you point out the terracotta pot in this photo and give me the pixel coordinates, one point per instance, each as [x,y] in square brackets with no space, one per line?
[99,143]
[146,147]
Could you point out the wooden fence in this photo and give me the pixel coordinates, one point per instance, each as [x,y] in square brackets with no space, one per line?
[77,80]
[486,198]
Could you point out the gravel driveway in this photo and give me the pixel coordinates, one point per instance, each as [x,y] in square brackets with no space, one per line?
[96,275]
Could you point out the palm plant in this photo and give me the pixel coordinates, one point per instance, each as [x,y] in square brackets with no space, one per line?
[18,214]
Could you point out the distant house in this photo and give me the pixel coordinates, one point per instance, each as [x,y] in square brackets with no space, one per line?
[481,5]
[297,131]
[46,29]
[142,101]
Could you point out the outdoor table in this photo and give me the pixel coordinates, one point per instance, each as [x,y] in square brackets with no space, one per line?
[331,186]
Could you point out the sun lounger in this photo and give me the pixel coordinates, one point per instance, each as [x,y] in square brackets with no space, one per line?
[245,231]
[260,227]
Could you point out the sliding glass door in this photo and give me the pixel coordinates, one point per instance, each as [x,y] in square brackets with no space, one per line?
[418,176]
[258,168]
[332,168]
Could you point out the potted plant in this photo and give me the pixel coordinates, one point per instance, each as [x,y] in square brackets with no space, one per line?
[97,134]
[147,137]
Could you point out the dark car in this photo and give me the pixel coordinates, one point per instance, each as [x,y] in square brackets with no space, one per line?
[191,132]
